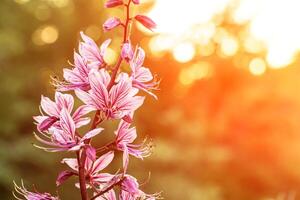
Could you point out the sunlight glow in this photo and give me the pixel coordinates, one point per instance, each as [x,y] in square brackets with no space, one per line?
[257,66]
[45,35]
[229,46]
[272,28]
[184,52]
[182,15]
[195,72]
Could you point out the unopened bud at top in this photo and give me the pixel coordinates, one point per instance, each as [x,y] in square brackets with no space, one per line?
[113,3]
[146,21]
[136,1]
[111,23]
[127,52]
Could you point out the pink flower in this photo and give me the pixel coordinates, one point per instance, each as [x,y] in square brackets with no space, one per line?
[89,50]
[136,1]
[111,23]
[93,168]
[113,3]
[27,195]
[130,190]
[127,51]
[125,136]
[64,137]
[141,76]
[77,78]
[146,21]
[114,104]
[53,110]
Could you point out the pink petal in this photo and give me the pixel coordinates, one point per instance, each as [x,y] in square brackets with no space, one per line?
[91,152]
[49,107]
[81,111]
[139,58]
[143,75]
[67,123]
[71,162]
[91,133]
[89,50]
[81,65]
[103,162]
[46,124]
[86,98]
[98,81]
[125,158]
[63,176]
[103,177]
[121,90]
[72,77]
[104,46]
[64,101]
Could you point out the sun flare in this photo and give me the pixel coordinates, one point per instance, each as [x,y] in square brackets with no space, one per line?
[271,25]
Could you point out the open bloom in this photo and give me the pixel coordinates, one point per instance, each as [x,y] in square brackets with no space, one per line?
[23,193]
[115,103]
[94,177]
[125,137]
[76,78]
[53,110]
[130,190]
[64,137]
[141,76]
[89,50]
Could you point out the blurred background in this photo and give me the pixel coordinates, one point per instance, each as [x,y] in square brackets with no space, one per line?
[226,125]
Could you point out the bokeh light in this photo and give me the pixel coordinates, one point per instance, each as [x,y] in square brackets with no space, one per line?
[184,52]
[257,66]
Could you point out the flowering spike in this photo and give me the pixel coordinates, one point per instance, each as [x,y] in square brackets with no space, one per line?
[113,95]
[111,23]
[146,21]
[113,3]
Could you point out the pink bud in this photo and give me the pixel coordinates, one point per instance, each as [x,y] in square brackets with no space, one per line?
[136,1]
[127,52]
[113,3]
[146,21]
[111,23]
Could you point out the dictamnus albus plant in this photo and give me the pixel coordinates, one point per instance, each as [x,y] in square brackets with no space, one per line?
[108,93]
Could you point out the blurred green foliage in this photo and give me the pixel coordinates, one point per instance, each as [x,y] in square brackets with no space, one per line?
[232,136]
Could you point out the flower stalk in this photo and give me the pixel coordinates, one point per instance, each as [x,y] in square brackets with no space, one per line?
[112,96]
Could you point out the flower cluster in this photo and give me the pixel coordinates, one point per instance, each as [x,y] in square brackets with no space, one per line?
[109,94]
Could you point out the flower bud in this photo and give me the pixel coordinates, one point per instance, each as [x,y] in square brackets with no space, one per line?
[146,21]
[136,1]
[113,3]
[127,52]
[111,23]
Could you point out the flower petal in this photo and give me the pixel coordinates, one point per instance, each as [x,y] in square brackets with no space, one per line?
[102,162]
[71,162]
